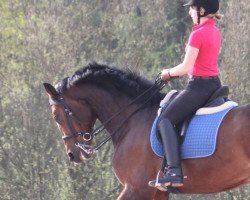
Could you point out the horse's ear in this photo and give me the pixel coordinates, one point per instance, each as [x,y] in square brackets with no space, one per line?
[50,90]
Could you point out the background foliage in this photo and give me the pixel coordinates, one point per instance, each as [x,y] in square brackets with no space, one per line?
[44,41]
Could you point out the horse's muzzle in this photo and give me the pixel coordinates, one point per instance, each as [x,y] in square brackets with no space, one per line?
[75,155]
[71,156]
[79,154]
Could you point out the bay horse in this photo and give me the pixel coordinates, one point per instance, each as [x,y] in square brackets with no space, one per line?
[107,94]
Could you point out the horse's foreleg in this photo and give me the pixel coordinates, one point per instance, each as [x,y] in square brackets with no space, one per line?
[161,195]
[144,194]
[129,193]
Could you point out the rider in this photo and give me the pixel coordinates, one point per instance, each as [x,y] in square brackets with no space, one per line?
[200,63]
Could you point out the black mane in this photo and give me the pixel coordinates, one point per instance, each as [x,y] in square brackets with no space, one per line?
[113,80]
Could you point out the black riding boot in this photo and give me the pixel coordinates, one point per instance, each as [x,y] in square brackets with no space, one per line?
[173,177]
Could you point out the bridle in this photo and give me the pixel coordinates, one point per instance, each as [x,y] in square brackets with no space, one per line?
[70,116]
[157,86]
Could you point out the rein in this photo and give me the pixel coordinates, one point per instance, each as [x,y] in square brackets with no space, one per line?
[158,84]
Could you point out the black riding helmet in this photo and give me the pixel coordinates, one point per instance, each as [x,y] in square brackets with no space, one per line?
[210,6]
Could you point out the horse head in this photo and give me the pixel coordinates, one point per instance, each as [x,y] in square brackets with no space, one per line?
[98,91]
[75,120]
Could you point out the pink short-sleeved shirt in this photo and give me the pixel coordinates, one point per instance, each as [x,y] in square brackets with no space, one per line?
[207,38]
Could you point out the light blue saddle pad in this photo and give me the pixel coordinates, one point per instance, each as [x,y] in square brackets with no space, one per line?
[200,139]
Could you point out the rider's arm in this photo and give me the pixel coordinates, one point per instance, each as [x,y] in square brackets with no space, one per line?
[186,66]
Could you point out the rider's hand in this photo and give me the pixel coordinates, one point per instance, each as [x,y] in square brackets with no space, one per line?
[165,76]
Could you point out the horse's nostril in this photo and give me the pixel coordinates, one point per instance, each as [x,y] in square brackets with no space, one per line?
[71,156]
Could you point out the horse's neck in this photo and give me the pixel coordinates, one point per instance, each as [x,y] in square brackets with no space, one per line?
[116,110]
[111,108]
[125,118]
[131,120]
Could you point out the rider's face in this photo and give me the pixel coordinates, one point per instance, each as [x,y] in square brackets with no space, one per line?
[193,14]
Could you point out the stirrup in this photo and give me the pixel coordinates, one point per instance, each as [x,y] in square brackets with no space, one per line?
[162,185]
[155,183]
[172,179]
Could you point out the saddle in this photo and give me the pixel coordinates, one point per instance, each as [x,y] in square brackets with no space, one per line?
[219,97]
[217,100]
